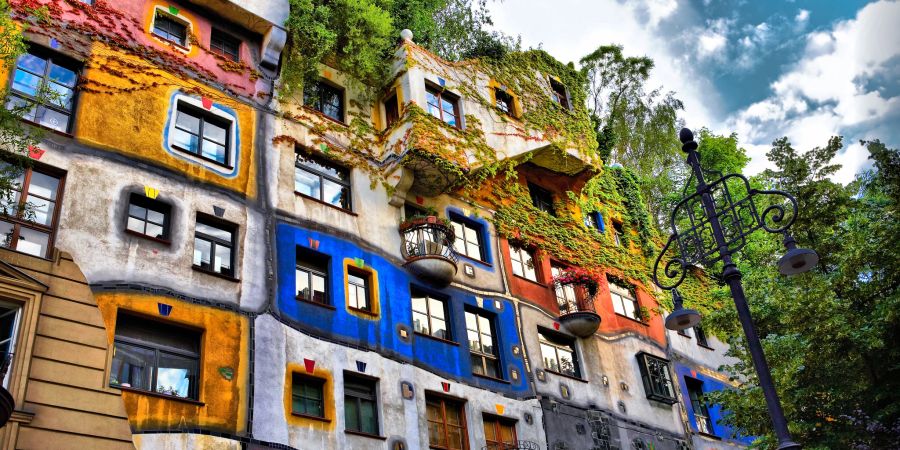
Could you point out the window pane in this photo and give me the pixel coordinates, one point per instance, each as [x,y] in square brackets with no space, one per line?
[132,366]
[436,434]
[439,329]
[176,375]
[306,183]
[508,433]
[420,323]
[60,96]
[53,119]
[202,253]
[26,83]
[617,303]
[303,284]
[351,414]
[456,438]
[17,103]
[185,140]
[431,99]
[137,211]
[436,308]
[188,122]
[41,209]
[214,151]
[318,289]
[630,309]
[474,343]
[136,225]
[420,304]
[453,417]
[154,230]
[32,63]
[32,242]
[477,364]
[62,75]
[490,431]
[548,353]
[222,264]
[213,231]
[335,194]
[6,233]
[214,132]
[156,217]
[369,417]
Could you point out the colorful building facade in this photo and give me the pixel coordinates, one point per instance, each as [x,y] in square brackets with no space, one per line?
[211,265]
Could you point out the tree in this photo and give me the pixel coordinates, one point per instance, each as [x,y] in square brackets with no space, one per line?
[830,335]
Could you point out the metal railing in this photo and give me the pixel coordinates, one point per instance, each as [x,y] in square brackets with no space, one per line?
[427,237]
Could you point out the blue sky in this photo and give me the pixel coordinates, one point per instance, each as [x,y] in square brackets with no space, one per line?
[804,69]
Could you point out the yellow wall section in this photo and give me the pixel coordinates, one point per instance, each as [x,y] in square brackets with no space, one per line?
[327,397]
[374,291]
[183,16]
[224,344]
[136,123]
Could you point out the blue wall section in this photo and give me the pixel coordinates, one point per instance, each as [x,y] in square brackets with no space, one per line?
[484,231]
[715,411]
[381,333]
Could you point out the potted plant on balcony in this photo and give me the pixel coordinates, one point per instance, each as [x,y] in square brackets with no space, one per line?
[428,247]
[584,321]
[579,277]
[428,216]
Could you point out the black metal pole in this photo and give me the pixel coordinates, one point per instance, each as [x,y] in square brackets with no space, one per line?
[733,277]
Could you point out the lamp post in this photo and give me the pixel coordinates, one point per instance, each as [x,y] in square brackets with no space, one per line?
[710,225]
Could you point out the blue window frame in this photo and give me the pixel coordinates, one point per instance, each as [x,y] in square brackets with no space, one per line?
[595,220]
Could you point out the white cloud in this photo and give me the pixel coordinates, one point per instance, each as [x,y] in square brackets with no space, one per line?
[825,93]
[802,16]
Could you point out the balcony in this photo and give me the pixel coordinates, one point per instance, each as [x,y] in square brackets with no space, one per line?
[575,292]
[518,445]
[7,404]
[428,249]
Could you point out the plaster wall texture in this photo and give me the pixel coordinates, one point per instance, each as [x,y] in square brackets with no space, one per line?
[279,347]
[173,441]
[610,356]
[687,347]
[92,229]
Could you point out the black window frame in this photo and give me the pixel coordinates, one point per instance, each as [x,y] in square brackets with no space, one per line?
[391,110]
[541,198]
[657,378]
[219,43]
[559,342]
[167,329]
[343,183]
[461,237]
[362,389]
[366,276]
[618,232]
[305,263]
[702,421]
[559,93]
[416,292]
[18,221]
[204,117]
[166,33]
[314,97]
[149,204]
[442,94]
[487,359]
[700,334]
[301,380]
[505,102]
[52,58]
[216,242]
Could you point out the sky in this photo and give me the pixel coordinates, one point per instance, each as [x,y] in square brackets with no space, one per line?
[805,69]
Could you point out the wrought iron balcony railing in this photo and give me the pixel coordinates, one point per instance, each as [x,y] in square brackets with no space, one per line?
[428,249]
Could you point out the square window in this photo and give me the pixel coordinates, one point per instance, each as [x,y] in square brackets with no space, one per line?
[701,336]
[214,242]
[170,28]
[522,263]
[559,93]
[617,233]
[594,220]
[307,396]
[156,357]
[443,105]
[446,423]
[558,353]
[468,240]
[225,45]
[360,404]
[322,180]
[430,315]
[504,101]
[499,433]
[359,294]
[391,111]
[702,419]
[148,217]
[312,276]
[326,99]
[482,345]
[43,89]
[541,198]
[201,133]
[28,217]
[624,303]
[656,378]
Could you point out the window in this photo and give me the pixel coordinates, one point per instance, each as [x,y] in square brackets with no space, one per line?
[358,296]
[482,347]
[410,211]
[9,326]
[360,405]
[148,217]
[565,295]
[656,378]
[499,433]
[522,262]
[701,336]
[224,45]
[312,276]
[468,239]
[541,198]
[504,101]
[391,111]
[446,424]
[156,357]
[558,354]
[559,93]
[326,99]
[213,244]
[617,233]
[702,420]
[170,28]
[429,315]
[202,134]
[307,396]
[624,303]
[322,181]
[50,78]
[30,214]
[594,221]
[443,105]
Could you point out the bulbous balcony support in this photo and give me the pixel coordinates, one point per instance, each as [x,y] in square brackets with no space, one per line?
[428,249]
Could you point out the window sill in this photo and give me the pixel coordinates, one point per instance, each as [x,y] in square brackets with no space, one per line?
[445,341]
[705,346]
[362,311]
[201,157]
[148,237]
[360,433]
[324,116]
[158,395]
[326,204]
[215,274]
[321,305]
[45,258]
[488,377]
[684,335]
[566,376]
[476,261]
[710,436]
[52,130]
[531,281]
[634,320]
[175,44]
[310,417]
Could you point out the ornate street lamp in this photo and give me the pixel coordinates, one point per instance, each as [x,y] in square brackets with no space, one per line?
[712,224]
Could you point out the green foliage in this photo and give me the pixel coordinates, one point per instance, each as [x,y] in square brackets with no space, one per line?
[830,335]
